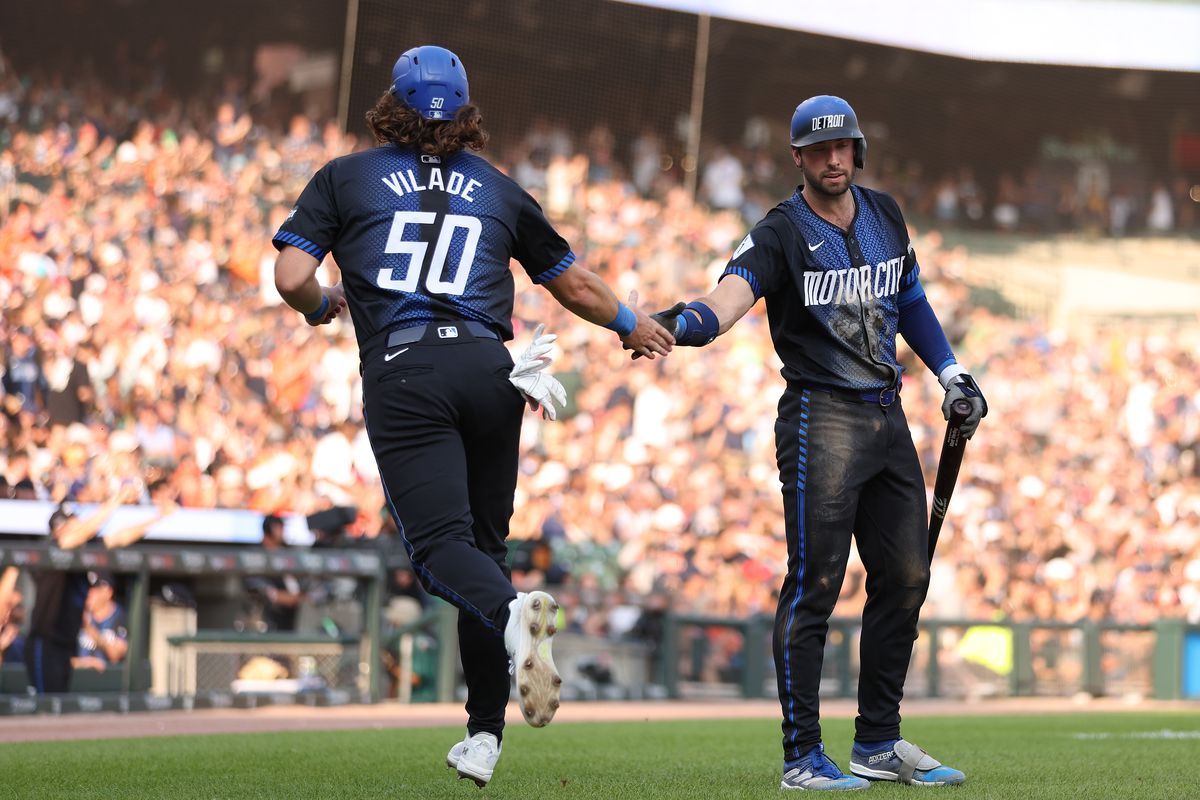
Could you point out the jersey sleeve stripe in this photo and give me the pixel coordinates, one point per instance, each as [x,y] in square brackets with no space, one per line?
[556,270]
[299,241]
[911,294]
[747,276]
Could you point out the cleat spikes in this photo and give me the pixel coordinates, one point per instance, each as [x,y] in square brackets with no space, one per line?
[532,623]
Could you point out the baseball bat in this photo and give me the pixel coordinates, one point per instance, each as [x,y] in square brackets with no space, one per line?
[953,446]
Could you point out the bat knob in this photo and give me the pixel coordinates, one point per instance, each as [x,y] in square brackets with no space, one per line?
[961,408]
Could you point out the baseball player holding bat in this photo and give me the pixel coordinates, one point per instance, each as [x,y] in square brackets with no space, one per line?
[840,278]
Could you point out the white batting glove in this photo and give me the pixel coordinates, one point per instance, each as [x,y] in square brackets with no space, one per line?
[541,389]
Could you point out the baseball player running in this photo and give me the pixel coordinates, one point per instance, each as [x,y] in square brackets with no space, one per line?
[840,278]
[423,231]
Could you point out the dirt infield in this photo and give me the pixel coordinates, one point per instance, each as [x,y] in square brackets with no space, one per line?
[393,715]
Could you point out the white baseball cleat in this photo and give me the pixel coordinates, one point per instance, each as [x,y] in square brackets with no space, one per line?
[475,757]
[532,621]
[456,753]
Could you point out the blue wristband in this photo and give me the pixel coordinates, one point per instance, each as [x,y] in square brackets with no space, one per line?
[624,322]
[321,311]
[697,333]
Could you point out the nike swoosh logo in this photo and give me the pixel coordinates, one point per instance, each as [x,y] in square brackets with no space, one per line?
[812,248]
[390,356]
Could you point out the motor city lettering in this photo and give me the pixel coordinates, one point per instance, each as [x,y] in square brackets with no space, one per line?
[842,285]
[404,182]
[828,121]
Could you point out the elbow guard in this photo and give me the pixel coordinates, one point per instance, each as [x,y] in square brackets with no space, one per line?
[693,332]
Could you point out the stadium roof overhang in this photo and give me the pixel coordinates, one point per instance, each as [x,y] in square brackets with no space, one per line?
[1124,34]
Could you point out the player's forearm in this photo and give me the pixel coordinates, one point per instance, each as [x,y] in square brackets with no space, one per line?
[726,316]
[296,280]
[78,532]
[586,295]
[8,584]
[305,298]
[114,649]
[127,536]
[706,318]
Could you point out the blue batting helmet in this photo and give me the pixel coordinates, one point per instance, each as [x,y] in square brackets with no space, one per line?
[430,80]
[825,117]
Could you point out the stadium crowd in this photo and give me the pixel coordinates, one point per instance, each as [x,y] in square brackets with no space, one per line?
[142,338]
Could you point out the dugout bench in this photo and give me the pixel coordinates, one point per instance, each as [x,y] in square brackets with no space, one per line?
[139,562]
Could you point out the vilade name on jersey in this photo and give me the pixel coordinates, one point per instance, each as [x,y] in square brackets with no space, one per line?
[406,182]
[838,286]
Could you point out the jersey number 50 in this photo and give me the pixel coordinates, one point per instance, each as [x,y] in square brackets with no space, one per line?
[436,281]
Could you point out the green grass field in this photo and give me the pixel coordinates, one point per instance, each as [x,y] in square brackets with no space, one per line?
[1105,756]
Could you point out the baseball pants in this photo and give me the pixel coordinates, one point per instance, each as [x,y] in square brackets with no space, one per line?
[847,468]
[445,423]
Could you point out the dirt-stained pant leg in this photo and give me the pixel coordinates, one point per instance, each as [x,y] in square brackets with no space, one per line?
[824,451]
[892,534]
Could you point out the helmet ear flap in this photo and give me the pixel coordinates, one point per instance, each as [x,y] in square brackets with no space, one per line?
[860,152]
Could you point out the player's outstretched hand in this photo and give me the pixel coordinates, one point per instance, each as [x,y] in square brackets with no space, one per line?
[649,338]
[336,296]
[668,318]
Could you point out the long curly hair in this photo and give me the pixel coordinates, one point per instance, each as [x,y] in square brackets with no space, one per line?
[393,122]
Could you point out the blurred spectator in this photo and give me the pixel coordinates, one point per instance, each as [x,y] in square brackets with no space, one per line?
[8,592]
[60,595]
[103,637]
[1160,218]
[1099,467]
[722,182]
[12,616]
[12,640]
[23,378]
[407,600]
[277,596]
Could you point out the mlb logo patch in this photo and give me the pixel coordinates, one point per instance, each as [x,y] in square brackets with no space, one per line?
[447,332]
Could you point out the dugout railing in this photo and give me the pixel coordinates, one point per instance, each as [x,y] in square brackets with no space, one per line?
[1047,658]
[128,687]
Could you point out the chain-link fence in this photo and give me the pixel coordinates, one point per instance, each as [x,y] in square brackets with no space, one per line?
[212,661]
[612,76]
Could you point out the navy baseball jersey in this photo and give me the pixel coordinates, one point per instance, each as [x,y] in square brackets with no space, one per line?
[421,238]
[110,629]
[831,294]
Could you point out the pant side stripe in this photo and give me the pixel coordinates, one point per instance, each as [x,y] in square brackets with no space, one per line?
[801,481]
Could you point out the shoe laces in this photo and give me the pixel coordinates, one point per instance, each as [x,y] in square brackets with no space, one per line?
[487,745]
[821,764]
